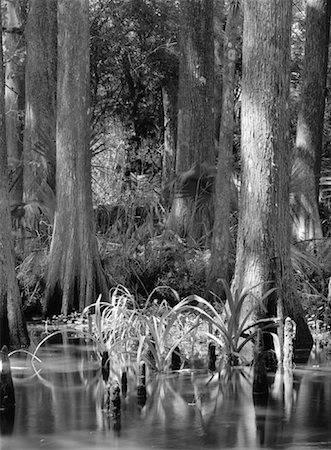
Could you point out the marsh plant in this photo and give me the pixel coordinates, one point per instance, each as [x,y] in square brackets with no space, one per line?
[155,333]
[125,335]
[112,328]
[112,320]
[158,333]
[232,329]
[129,334]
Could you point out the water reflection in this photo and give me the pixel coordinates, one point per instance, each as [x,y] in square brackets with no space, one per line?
[62,407]
[7,419]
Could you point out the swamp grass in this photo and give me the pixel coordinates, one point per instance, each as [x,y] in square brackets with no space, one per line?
[125,335]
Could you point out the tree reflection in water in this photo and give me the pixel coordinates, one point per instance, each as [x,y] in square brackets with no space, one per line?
[63,403]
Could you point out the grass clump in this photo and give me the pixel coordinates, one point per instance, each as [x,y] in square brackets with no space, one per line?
[125,334]
[231,329]
[157,338]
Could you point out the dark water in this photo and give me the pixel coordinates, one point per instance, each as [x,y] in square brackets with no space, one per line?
[61,408]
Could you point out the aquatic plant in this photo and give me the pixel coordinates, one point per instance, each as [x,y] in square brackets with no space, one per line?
[156,332]
[108,325]
[230,329]
[126,335]
[111,321]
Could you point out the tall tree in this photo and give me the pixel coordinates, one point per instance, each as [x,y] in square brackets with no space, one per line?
[263,246]
[75,276]
[14,96]
[40,91]
[219,261]
[219,20]
[13,332]
[308,152]
[195,131]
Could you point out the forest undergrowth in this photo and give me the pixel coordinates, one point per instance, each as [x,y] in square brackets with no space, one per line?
[140,252]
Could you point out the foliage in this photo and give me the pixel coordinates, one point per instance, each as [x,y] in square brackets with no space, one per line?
[297,51]
[133,53]
[31,274]
[144,262]
[109,325]
[108,147]
[155,331]
[231,329]
[129,334]
[126,39]
[113,321]
[312,270]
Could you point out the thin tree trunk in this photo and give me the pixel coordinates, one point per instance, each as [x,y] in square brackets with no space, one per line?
[219,261]
[309,136]
[169,97]
[14,98]
[13,328]
[75,276]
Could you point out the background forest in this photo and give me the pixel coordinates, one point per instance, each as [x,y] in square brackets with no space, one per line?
[150,103]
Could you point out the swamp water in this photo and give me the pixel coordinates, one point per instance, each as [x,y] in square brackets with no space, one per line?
[60,407]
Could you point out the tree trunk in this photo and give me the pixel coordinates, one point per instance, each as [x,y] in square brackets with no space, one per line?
[263,246]
[218,56]
[169,97]
[13,332]
[75,276]
[14,98]
[219,261]
[195,133]
[307,161]
[166,58]
[40,90]
[195,139]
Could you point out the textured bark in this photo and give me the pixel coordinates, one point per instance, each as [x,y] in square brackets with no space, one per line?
[307,162]
[195,139]
[263,246]
[219,262]
[169,97]
[218,57]
[289,337]
[40,89]
[195,133]
[75,276]
[14,97]
[167,60]
[13,331]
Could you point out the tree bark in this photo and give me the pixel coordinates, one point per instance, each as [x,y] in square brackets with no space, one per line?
[219,20]
[195,132]
[309,136]
[169,97]
[75,276]
[195,139]
[220,247]
[39,146]
[14,98]
[263,246]
[13,331]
